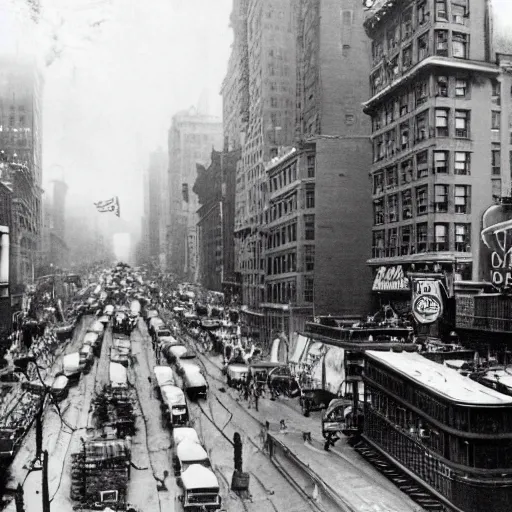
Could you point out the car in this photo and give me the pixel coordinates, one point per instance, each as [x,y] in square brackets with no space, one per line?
[282,381]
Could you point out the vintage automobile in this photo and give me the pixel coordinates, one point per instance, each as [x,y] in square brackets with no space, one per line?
[236,373]
[149,314]
[86,357]
[93,339]
[164,376]
[135,308]
[108,310]
[193,380]
[118,377]
[339,417]
[162,334]
[97,327]
[187,453]
[173,352]
[57,386]
[259,371]
[122,344]
[121,357]
[199,489]
[104,319]
[182,433]
[72,367]
[282,382]
[176,409]
[153,324]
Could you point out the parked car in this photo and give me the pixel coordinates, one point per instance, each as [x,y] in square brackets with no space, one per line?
[283,382]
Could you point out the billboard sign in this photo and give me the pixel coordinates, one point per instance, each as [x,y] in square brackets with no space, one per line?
[391,279]
[427,300]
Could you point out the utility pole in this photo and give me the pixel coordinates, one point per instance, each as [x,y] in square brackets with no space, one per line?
[20,502]
[46,494]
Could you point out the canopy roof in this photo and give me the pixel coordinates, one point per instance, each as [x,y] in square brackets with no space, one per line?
[197,476]
[189,450]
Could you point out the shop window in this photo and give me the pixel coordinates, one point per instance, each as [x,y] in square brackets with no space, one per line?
[441,162]
[495,120]
[442,86]
[462,198]
[462,237]
[393,208]
[378,244]
[461,87]
[460,45]
[441,198]
[496,160]
[421,237]
[309,227]
[440,237]
[423,52]
[441,42]
[405,240]
[406,204]
[441,122]
[462,124]
[462,163]
[378,212]
[441,10]
[422,165]
[378,182]
[421,125]
[421,200]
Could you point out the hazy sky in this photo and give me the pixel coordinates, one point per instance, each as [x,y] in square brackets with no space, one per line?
[123,68]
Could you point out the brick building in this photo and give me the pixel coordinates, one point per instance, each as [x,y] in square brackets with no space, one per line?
[440,137]
[191,139]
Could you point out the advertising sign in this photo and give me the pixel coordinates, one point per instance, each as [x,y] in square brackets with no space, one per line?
[391,279]
[497,238]
[427,301]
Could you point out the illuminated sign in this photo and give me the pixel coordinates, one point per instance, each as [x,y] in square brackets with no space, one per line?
[391,279]
[427,301]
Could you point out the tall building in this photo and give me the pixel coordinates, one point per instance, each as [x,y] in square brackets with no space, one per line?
[154,213]
[265,49]
[192,137]
[439,106]
[21,163]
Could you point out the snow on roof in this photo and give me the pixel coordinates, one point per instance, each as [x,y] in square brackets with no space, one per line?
[91,337]
[189,450]
[96,327]
[500,375]
[440,379]
[197,476]
[164,375]
[172,395]
[117,374]
[178,350]
[184,433]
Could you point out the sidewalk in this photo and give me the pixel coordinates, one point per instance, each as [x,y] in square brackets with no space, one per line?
[346,475]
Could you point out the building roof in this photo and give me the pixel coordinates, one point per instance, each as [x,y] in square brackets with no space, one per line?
[441,380]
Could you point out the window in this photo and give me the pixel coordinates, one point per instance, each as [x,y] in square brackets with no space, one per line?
[461,87]
[309,227]
[378,182]
[496,92]
[390,143]
[308,289]
[462,163]
[459,12]
[404,104]
[441,39]
[407,57]
[392,246]
[405,240]
[423,46]
[460,45]
[462,238]
[273,102]
[311,166]
[391,177]
[393,208]
[421,92]
[441,11]
[462,123]
[394,65]
[309,257]
[440,237]
[421,237]
[442,86]
[422,164]
[310,197]
[441,162]
[378,212]
[376,122]
[404,135]
[393,37]
[441,122]
[389,112]
[441,198]
[422,13]
[462,198]
[407,204]
[406,171]
[406,24]
[421,200]
[378,244]
[496,120]
[421,126]
[496,160]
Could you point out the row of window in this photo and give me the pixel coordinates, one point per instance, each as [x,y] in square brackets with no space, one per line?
[414,19]
[405,206]
[414,239]
[282,235]
[438,122]
[440,86]
[422,165]
[283,263]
